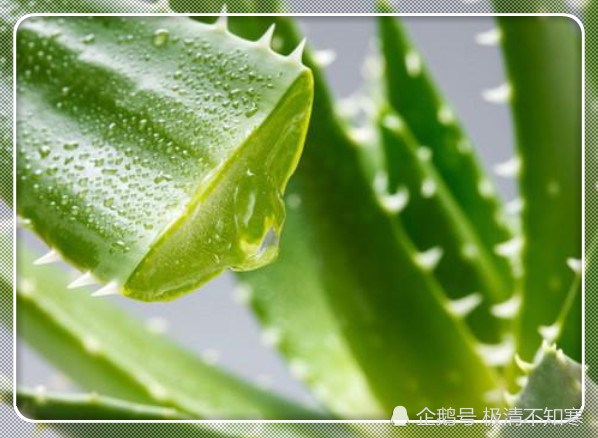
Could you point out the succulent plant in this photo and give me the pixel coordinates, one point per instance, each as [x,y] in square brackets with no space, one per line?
[153,153]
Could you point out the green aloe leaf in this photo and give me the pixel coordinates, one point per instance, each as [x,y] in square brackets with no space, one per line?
[417,195]
[41,405]
[554,392]
[367,289]
[105,350]
[555,382]
[410,91]
[544,70]
[152,151]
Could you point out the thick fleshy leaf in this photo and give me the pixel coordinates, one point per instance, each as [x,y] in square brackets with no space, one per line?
[420,200]
[152,151]
[543,61]
[41,405]
[411,93]
[553,393]
[555,382]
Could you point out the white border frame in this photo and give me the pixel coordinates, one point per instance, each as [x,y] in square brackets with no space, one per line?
[490,424]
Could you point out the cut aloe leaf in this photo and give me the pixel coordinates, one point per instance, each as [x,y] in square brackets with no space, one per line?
[544,69]
[105,350]
[412,94]
[152,152]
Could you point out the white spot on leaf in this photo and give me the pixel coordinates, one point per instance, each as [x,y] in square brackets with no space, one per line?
[428,188]
[549,332]
[413,63]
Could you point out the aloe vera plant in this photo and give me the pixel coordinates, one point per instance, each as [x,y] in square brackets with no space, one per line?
[154,153]
[199,125]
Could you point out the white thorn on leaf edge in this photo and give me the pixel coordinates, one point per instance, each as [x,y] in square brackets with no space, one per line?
[511,399]
[510,248]
[514,206]
[393,122]
[489,38]
[500,94]
[429,259]
[509,168]
[110,289]
[522,381]
[222,21]
[507,309]
[266,39]
[395,202]
[324,57]
[23,222]
[86,279]
[576,265]
[297,54]
[51,256]
[526,367]
[549,332]
[462,307]
[497,354]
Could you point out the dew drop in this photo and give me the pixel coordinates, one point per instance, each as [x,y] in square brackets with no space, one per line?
[89,39]
[44,151]
[251,111]
[71,145]
[160,37]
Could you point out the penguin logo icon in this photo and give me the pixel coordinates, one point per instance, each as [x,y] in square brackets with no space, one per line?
[399,416]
